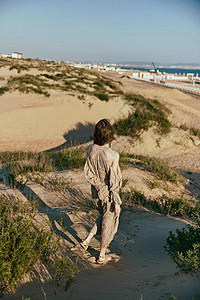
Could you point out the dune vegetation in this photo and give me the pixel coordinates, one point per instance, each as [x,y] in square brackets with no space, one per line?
[146,113]
[184,247]
[24,242]
[23,166]
[60,77]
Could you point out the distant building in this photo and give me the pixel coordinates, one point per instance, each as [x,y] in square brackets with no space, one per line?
[108,68]
[16,55]
[161,78]
[6,55]
[13,55]
[143,75]
[190,76]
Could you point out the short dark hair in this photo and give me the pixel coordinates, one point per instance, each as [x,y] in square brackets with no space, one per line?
[103,132]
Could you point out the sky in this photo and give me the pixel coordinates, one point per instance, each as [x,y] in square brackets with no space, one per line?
[162,31]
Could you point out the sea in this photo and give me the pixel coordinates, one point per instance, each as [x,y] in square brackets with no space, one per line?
[167,70]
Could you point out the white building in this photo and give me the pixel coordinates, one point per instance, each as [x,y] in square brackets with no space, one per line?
[82,65]
[143,75]
[162,77]
[13,55]
[6,55]
[107,68]
[16,55]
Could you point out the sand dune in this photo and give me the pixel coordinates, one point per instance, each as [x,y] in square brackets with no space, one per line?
[34,123]
[142,268]
[185,107]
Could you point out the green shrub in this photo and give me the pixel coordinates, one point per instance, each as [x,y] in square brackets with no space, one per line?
[22,244]
[102,96]
[8,157]
[68,158]
[56,77]
[195,131]
[56,185]
[184,127]
[21,163]
[50,76]
[99,83]
[162,170]
[82,79]
[29,84]
[19,68]
[68,83]
[156,166]
[111,84]
[64,269]
[59,73]
[30,163]
[3,90]
[147,113]
[80,89]
[171,207]
[4,61]
[133,124]
[30,89]
[184,248]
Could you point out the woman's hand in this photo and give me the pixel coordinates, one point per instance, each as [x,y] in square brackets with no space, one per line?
[117,208]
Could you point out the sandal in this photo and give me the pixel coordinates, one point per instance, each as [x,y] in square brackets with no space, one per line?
[104,259]
[84,245]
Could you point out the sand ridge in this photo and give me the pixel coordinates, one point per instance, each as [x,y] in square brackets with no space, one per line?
[35,123]
[143,269]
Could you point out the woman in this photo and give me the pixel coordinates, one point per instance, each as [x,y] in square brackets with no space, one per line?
[103,173]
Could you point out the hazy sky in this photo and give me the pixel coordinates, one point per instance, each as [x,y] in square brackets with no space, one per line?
[164,31]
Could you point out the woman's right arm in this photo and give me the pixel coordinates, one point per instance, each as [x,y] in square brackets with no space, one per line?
[102,188]
[115,177]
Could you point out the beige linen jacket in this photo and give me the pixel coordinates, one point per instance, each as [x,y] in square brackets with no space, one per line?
[102,171]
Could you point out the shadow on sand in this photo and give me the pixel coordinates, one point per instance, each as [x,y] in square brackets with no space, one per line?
[55,215]
[193,183]
[79,135]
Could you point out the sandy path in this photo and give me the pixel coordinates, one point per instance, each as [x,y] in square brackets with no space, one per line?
[144,268]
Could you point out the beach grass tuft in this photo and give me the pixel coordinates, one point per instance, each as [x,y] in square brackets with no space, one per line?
[184,247]
[23,243]
[146,113]
[192,130]
[102,96]
[168,206]
[24,163]
[67,78]
[154,165]
[19,68]
[68,158]
[29,84]
[3,90]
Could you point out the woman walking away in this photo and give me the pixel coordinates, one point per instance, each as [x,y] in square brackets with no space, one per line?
[103,173]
